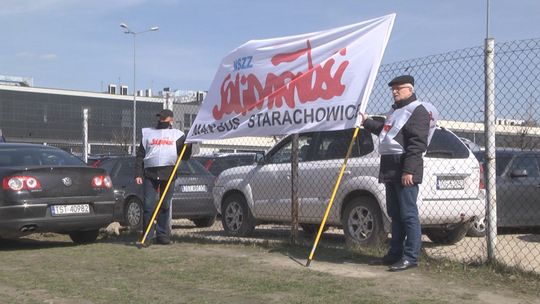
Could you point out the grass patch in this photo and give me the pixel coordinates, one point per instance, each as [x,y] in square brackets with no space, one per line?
[119,273]
[485,275]
[200,270]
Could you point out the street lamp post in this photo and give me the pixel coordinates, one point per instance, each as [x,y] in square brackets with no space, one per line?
[128,31]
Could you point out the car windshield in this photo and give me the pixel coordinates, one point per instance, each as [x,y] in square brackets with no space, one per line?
[37,156]
[445,144]
[192,167]
[501,161]
[218,163]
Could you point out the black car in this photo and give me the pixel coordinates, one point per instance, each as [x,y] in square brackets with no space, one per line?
[192,197]
[45,189]
[95,159]
[518,189]
[218,162]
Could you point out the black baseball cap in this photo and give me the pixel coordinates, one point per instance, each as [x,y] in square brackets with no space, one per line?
[402,80]
[165,113]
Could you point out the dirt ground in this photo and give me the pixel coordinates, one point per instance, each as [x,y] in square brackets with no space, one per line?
[395,285]
[261,254]
[514,250]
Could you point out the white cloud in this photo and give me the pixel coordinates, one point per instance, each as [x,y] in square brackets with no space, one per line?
[48,57]
[25,55]
[15,7]
[33,56]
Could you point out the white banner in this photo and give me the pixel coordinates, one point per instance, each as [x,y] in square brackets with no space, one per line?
[309,82]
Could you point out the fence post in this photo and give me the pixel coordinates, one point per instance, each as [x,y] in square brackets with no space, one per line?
[85,135]
[294,189]
[489,121]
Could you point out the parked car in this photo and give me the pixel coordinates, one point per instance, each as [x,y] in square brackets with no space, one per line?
[217,162]
[94,160]
[192,197]
[474,147]
[45,189]
[450,197]
[518,189]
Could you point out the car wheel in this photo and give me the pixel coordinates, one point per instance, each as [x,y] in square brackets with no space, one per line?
[204,222]
[312,228]
[236,216]
[133,213]
[446,236]
[478,228]
[362,223]
[84,237]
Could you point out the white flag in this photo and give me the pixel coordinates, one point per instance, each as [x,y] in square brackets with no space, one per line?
[310,82]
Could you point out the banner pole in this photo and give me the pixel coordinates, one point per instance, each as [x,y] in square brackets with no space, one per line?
[163,194]
[338,182]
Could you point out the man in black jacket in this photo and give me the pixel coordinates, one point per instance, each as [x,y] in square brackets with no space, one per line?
[156,157]
[403,139]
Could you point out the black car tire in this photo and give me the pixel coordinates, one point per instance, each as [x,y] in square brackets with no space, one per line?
[236,216]
[312,229]
[362,223]
[478,228]
[84,237]
[204,222]
[445,236]
[133,213]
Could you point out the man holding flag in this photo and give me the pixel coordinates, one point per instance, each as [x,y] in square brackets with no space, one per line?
[403,139]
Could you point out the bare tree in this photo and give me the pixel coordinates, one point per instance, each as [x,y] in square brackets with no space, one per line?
[123,138]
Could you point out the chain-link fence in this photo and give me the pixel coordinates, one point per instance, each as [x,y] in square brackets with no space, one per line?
[251,199]
[452,199]
[454,83]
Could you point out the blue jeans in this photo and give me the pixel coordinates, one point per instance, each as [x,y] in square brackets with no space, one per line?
[152,189]
[406,232]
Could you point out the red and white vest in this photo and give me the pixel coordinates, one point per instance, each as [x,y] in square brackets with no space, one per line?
[396,119]
[160,146]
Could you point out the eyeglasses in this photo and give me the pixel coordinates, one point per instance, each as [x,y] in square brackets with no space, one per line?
[399,88]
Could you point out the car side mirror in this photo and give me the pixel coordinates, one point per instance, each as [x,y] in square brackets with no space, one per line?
[518,173]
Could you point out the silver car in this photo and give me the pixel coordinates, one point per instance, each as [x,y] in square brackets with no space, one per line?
[451,195]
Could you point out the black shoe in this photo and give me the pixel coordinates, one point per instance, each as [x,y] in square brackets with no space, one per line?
[388,260]
[403,264]
[163,240]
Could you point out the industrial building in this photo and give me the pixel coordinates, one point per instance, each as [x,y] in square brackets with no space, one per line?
[55,117]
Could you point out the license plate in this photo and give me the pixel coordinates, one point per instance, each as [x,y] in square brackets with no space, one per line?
[70,209]
[193,188]
[450,183]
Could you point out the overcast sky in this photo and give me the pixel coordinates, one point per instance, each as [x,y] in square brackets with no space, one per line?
[79,45]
